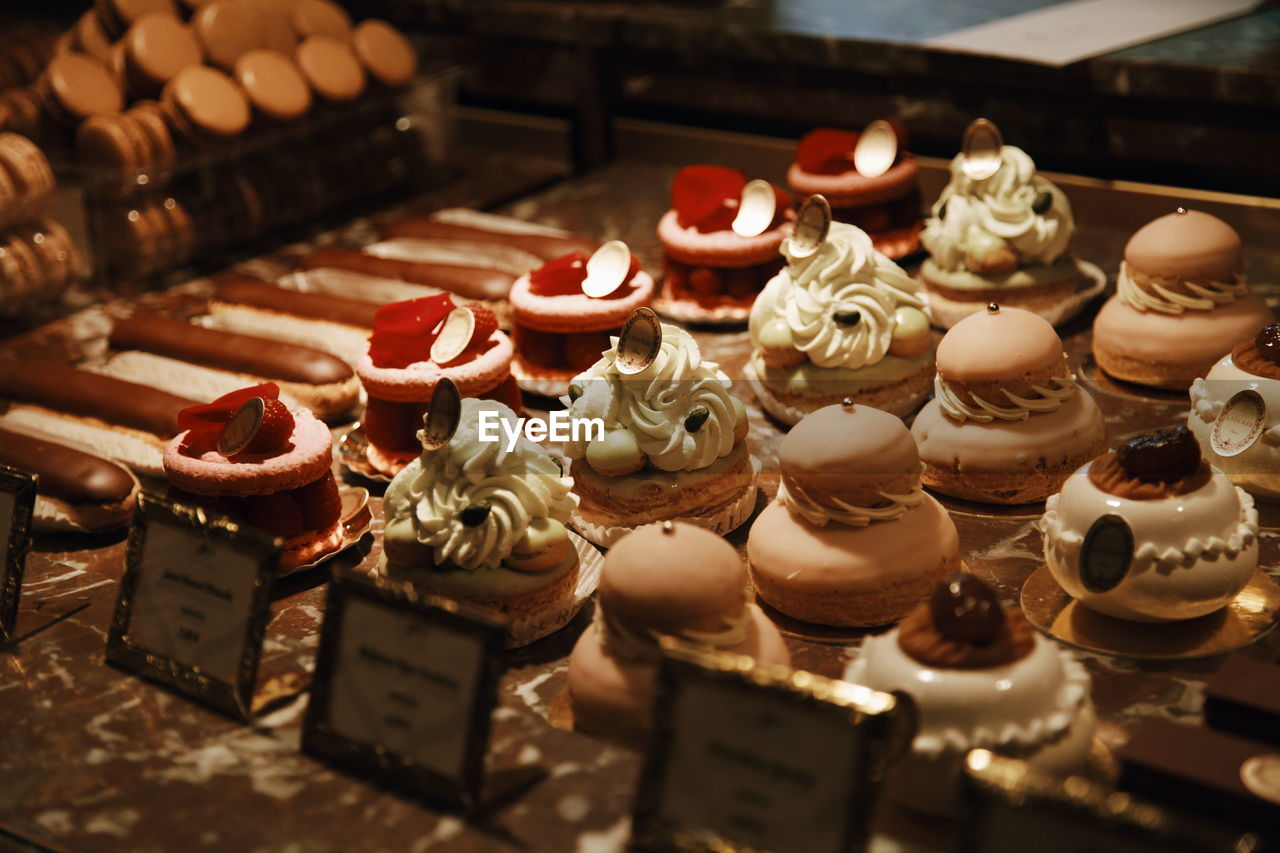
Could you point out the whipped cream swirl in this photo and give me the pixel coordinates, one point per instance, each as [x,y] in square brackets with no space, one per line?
[894,506]
[1204,296]
[983,213]
[1053,394]
[655,404]
[839,302]
[516,487]
[643,646]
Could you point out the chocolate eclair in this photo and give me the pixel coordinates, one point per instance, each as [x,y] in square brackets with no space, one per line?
[75,490]
[474,227]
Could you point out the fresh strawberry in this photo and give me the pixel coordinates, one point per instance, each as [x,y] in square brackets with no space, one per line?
[699,193]
[583,349]
[560,276]
[827,151]
[274,431]
[506,392]
[319,502]
[403,332]
[204,423]
[486,325]
[391,425]
[541,349]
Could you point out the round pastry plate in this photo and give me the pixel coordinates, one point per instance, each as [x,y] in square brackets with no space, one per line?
[536,625]
[976,509]
[353,452]
[355,521]
[1245,620]
[684,311]
[1092,281]
[1098,382]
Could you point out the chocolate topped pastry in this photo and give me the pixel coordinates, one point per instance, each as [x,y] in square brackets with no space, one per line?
[1151,466]
[965,608]
[964,627]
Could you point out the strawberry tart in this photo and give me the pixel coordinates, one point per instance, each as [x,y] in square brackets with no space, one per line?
[246,456]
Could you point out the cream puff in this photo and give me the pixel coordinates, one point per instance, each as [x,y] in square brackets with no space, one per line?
[1181,302]
[669,579]
[830,549]
[1008,423]
[1151,532]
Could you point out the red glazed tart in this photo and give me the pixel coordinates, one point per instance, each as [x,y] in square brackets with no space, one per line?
[416,344]
[248,457]
[721,241]
[559,329]
[882,197]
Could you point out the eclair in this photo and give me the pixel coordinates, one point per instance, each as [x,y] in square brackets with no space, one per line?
[475,227]
[441,269]
[335,324]
[121,420]
[75,491]
[175,355]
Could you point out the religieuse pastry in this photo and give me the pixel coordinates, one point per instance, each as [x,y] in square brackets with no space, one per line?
[830,549]
[1008,423]
[669,437]
[415,345]
[982,678]
[720,241]
[999,232]
[667,579]
[1151,532]
[1245,443]
[566,311]
[246,456]
[482,521]
[841,320]
[869,179]
[1181,302]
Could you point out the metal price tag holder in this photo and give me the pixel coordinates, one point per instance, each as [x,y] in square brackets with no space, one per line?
[17,504]
[752,757]
[404,689]
[1012,806]
[194,603]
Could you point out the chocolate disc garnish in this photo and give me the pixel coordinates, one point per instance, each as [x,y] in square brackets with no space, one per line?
[1106,554]
[877,149]
[756,209]
[639,342]
[982,149]
[965,608]
[243,425]
[812,225]
[607,269]
[455,335]
[443,414]
[1240,424]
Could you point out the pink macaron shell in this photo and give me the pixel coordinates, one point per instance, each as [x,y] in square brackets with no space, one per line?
[721,248]
[415,383]
[577,312]
[850,189]
[214,475]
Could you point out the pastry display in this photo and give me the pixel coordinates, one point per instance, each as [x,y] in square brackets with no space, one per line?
[1151,532]
[842,320]
[1243,384]
[1008,423]
[565,312]
[481,521]
[75,491]
[869,179]
[416,345]
[669,579]
[982,678]
[246,456]
[830,550]
[124,421]
[673,438]
[1181,302]
[335,324]
[999,232]
[184,358]
[720,243]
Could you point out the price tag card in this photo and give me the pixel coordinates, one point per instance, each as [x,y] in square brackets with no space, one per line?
[194,603]
[752,757]
[17,502]
[404,689]
[1011,803]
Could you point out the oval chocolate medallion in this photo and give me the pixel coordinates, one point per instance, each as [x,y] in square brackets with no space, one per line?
[441,420]
[812,225]
[1106,554]
[639,342]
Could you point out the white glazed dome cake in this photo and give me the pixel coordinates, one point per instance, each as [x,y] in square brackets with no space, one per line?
[1152,532]
[982,678]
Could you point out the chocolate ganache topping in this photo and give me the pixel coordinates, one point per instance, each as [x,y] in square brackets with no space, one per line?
[963,626]
[1156,465]
[1260,356]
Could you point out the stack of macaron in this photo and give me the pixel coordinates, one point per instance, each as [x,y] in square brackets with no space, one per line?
[869,179]
[415,346]
[720,243]
[125,152]
[38,260]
